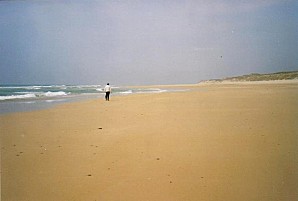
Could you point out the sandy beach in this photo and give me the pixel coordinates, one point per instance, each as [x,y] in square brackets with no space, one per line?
[213,142]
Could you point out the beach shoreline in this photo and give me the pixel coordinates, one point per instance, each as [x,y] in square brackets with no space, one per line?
[208,142]
[39,103]
[20,98]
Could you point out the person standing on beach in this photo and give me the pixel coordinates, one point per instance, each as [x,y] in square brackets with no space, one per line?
[108,90]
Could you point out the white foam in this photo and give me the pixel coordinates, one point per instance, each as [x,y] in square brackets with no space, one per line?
[160,91]
[11,87]
[22,92]
[152,90]
[54,86]
[58,93]
[26,87]
[17,97]
[33,87]
[91,86]
[126,92]
[58,100]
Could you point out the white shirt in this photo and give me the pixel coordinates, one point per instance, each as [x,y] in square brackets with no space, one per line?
[107,88]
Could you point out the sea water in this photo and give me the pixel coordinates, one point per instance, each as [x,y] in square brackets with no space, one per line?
[17,98]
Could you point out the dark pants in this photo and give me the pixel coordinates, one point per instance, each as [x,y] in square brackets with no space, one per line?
[107,96]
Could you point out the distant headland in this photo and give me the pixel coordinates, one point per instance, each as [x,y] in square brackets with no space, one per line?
[291,75]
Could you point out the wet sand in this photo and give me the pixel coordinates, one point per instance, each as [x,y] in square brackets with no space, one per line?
[215,142]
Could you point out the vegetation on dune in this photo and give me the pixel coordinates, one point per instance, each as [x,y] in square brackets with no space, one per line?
[261,77]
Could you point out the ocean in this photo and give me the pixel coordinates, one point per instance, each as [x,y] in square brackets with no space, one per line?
[18,98]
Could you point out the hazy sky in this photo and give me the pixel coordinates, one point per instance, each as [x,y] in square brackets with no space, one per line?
[144,42]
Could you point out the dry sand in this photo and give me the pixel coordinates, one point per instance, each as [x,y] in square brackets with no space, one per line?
[212,143]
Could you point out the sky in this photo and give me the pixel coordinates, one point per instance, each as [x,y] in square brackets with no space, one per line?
[138,42]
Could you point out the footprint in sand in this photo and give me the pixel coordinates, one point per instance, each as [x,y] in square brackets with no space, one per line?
[20,153]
